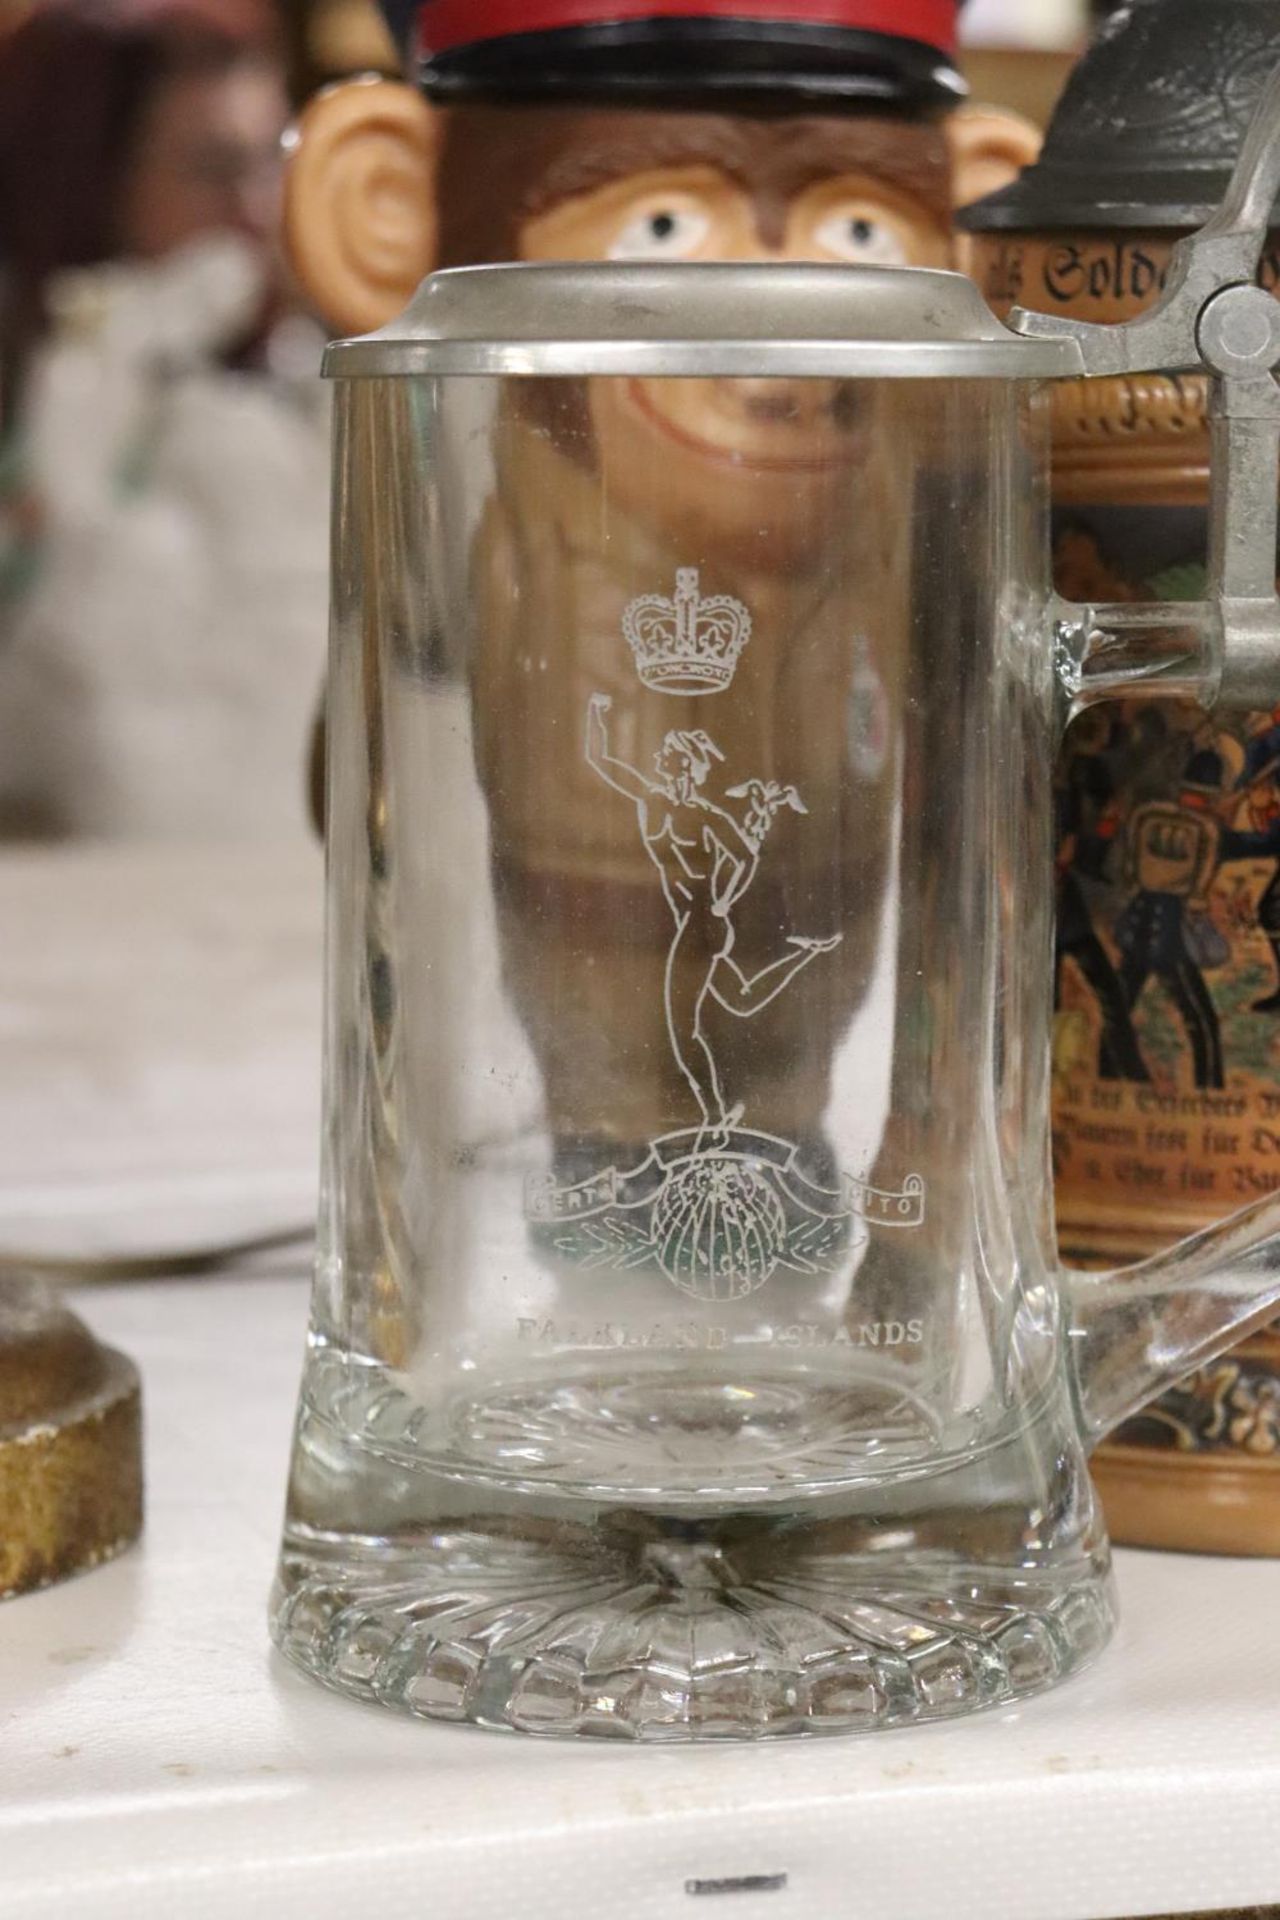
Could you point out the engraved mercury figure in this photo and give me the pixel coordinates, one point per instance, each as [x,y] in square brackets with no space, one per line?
[706,859]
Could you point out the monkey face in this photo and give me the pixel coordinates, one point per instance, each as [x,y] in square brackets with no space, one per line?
[753,468]
[754,472]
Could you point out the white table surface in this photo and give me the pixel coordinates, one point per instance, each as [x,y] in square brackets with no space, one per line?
[157,1759]
[159,1032]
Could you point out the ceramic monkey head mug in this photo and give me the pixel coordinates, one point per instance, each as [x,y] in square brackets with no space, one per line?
[666,133]
[689,1357]
[655,130]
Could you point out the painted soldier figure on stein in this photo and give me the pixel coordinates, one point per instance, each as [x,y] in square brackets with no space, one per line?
[1167,1037]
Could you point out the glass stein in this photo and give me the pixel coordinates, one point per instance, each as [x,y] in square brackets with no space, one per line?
[688,1354]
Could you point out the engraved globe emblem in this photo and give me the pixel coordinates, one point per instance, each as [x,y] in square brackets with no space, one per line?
[718,1227]
[686,644]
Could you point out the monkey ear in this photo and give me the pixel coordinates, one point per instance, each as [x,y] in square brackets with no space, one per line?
[359,214]
[989,148]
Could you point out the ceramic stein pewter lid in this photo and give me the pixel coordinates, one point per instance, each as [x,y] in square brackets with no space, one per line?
[1138,138]
[897,54]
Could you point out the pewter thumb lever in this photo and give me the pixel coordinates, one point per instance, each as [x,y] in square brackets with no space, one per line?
[1212,315]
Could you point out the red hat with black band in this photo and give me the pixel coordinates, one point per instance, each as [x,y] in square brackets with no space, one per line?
[894,54]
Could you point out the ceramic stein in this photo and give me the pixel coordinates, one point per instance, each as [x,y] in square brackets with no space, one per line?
[1166,1092]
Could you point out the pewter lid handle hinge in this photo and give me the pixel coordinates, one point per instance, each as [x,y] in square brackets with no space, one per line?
[1213,315]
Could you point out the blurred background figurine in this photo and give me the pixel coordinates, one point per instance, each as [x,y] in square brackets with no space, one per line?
[163,464]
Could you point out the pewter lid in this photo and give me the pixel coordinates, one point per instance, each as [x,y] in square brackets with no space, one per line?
[700,319]
[1149,123]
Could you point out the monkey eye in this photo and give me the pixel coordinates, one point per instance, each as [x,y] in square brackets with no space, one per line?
[661,233]
[862,238]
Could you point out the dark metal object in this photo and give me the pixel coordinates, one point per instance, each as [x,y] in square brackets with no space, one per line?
[170,1263]
[1138,138]
[739,1883]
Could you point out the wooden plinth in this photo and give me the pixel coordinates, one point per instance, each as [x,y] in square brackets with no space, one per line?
[1194,1503]
[70,1442]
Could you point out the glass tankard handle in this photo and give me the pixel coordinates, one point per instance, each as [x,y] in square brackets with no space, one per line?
[1212,316]
[1139,1329]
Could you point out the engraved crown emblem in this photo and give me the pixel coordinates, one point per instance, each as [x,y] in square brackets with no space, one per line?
[686,644]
